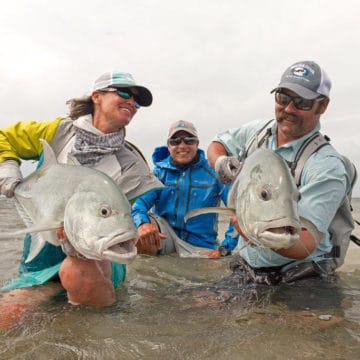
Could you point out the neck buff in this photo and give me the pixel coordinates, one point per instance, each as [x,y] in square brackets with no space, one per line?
[90,148]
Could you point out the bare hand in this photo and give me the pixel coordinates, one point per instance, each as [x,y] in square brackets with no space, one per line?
[214,254]
[149,239]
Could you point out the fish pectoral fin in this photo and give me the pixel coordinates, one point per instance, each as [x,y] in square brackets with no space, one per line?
[32,229]
[209,210]
[44,227]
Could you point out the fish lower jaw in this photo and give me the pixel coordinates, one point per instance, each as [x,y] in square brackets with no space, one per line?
[123,252]
[278,240]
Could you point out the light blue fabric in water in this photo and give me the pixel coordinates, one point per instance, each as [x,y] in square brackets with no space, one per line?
[41,277]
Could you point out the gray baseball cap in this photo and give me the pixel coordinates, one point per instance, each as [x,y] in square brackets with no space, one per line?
[182,125]
[307,79]
[116,79]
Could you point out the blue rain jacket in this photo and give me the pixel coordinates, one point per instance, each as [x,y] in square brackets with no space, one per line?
[189,188]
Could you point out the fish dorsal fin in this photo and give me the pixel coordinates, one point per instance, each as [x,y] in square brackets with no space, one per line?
[49,155]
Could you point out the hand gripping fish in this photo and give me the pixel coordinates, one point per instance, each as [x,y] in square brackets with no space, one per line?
[88,204]
[264,198]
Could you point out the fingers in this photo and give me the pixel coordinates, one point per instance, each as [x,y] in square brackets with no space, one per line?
[235,222]
[61,235]
[149,235]
[7,186]
[215,254]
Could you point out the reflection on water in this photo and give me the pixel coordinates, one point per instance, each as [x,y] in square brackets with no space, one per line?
[171,308]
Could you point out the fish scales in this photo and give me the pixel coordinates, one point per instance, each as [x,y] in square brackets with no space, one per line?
[91,207]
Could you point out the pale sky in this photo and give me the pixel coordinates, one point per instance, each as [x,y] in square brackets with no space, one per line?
[210,62]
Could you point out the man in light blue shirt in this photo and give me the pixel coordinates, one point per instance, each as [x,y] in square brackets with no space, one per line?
[300,99]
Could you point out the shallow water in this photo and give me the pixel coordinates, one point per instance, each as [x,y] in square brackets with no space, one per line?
[169,309]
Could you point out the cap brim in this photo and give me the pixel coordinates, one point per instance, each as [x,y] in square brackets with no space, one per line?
[298,89]
[173,132]
[144,98]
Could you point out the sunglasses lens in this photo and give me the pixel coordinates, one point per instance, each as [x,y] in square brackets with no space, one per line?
[282,99]
[174,141]
[299,102]
[303,104]
[124,94]
[187,140]
[127,94]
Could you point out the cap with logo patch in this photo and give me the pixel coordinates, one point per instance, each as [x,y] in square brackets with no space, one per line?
[307,79]
[182,125]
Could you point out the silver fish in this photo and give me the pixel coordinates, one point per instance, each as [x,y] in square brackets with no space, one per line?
[264,200]
[88,204]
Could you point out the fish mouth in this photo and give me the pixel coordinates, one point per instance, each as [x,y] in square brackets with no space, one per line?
[120,248]
[279,234]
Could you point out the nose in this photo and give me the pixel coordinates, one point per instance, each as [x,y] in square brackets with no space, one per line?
[290,107]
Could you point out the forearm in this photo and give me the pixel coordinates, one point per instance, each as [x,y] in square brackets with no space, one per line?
[215,150]
[141,207]
[305,246]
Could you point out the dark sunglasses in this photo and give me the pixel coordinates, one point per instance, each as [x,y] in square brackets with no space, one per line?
[188,140]
[299,102]
[125,93]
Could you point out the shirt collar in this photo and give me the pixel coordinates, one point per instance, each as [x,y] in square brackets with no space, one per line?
[293,145]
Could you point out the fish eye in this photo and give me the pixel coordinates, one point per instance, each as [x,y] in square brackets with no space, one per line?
[265,194]
[105,211]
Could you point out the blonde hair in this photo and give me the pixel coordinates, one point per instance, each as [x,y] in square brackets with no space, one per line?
[80,106]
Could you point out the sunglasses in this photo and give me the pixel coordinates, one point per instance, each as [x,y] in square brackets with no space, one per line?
[125,93]
[187,140]
[299,102]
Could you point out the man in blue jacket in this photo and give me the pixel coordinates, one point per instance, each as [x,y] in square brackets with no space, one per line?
[190,183]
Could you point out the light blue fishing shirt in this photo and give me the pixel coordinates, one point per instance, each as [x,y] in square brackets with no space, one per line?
[323,186]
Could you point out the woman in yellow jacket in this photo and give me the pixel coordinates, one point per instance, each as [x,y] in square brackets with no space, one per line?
[93,134]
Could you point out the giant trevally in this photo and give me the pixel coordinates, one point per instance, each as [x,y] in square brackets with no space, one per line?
[87,203]
[264,199]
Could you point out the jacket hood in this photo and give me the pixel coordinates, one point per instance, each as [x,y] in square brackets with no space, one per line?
[161,158]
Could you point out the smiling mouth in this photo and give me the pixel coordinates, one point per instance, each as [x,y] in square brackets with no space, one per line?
[126,110]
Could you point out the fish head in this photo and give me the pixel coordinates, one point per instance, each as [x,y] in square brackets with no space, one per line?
[99,226]
[266,199]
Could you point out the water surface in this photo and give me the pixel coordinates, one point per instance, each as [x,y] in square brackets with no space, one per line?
[169,308]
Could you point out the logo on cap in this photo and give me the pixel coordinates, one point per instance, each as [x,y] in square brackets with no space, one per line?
[300,71]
